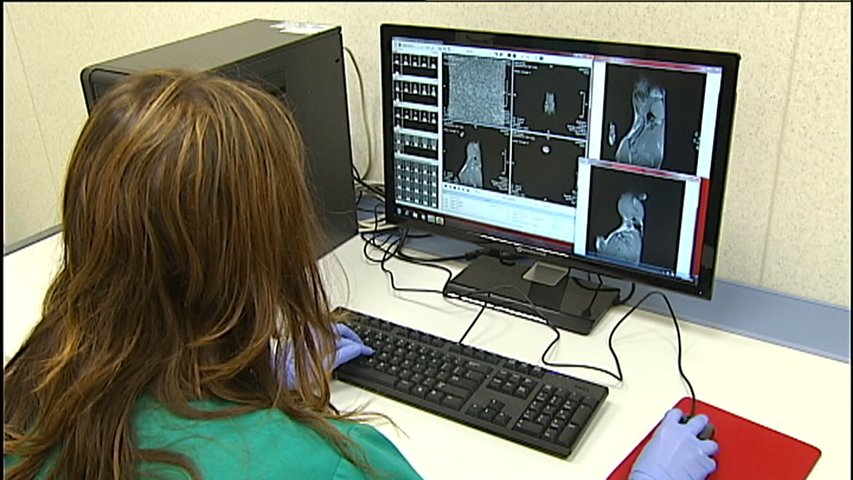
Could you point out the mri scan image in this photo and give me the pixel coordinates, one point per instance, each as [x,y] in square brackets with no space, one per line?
[644,142]
[626,241]
[472,170]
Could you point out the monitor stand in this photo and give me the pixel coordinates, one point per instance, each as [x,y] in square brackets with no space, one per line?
[567,302]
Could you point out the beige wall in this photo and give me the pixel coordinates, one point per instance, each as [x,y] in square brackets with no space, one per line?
[787,210]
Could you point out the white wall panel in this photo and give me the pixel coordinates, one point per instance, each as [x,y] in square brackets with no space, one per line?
[31,196]
[791,51]
[808,244]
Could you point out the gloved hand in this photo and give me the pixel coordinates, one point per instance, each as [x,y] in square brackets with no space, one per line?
[675,452]
[350,346]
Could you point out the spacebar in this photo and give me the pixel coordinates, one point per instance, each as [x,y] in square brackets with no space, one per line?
[365,373]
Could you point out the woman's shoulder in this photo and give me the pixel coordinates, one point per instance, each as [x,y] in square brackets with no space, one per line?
[263,444]
[380,451]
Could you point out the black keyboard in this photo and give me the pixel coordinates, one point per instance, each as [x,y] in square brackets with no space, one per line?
[514,400]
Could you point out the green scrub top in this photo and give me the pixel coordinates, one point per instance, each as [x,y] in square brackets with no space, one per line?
[265,444]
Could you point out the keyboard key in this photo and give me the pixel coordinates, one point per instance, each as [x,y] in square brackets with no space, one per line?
[474,410]
[550,435]
[543,419]
[465,384]
[478,367]
[488,413]
[475,376]
[581,415]
[448,389]
[404,385]
[521,392]
[568,436]
[530,428]
[501,419]
[377,376]
[434,396]
[453,402]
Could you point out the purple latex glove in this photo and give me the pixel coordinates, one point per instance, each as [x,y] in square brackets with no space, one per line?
[350,347]
[675,452]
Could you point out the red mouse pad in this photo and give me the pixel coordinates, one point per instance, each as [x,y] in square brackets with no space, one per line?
[747,450]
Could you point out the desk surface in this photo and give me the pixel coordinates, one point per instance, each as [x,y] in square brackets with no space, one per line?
[802,395]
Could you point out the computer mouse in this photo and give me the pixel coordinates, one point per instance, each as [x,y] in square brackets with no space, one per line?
[707,433]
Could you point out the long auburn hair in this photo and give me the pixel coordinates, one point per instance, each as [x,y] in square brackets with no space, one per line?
[189,245]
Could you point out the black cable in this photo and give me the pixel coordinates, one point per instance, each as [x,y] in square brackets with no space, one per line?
[619,376]
[363,115]
[372,242]
[628,297]
[465,256]
[365,210]
[375,233]
[618,301]
[544,318]
[541,315]
[418,235]
[391,252]
[356,175]
[375,191]
[395,251]
[471,325]
[398,252]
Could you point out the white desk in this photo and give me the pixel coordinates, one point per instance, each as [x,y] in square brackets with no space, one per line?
[796,393]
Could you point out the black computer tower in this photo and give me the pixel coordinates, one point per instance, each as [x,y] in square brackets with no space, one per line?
[307,68]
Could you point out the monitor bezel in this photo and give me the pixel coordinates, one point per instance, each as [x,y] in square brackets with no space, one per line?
[702,287]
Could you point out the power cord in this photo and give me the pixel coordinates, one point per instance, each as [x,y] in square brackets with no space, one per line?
[618,376]
[358,176]
[377,190]
[618,301]
[391,247]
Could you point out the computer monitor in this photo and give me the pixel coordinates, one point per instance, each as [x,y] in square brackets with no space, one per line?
[583,157]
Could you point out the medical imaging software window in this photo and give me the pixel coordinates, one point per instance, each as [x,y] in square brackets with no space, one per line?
[533,142]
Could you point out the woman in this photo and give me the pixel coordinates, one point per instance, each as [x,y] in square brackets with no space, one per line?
[189,244]
[189,251]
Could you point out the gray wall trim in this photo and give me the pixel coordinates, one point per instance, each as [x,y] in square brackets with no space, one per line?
[781,319]
[785,320]
[36,237]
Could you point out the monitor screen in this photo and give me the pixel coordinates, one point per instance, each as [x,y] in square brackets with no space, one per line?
[596,155]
